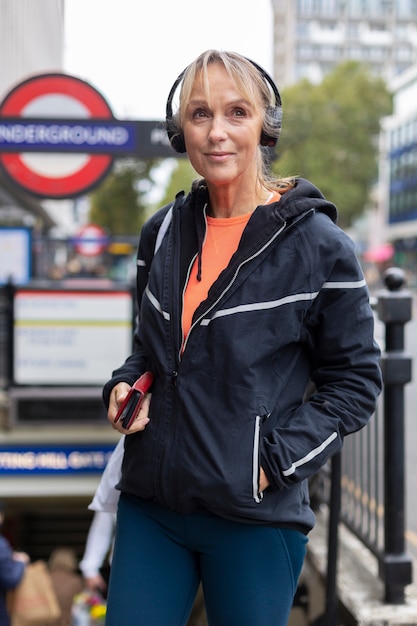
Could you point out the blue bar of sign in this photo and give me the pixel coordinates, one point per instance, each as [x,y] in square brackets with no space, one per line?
[54,459]
[82,135]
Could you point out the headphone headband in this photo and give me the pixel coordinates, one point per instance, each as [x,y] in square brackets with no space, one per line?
[273,113]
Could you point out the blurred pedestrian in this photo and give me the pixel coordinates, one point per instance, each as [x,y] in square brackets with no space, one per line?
[66,580]
[100,536]
[95,564]
[12,568]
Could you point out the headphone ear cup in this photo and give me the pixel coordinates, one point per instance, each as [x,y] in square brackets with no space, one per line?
[175,136]
[274,119]
[178,143]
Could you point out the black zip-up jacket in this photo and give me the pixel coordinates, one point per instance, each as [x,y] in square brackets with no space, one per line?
[290,311]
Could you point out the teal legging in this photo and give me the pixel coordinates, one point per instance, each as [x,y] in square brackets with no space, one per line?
[249,573]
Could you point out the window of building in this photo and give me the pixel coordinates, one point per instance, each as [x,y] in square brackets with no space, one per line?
[395,139]
[407,9]
[329,53]
[377,53]
[400,31]
[403,53]
[358,8]
[352,30]
[329,25]
[305,7]
[303,29]
[354,53]
[377,27]
[305,51]
[332,7]
[386,7]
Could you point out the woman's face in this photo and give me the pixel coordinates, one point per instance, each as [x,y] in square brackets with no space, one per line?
[221,135]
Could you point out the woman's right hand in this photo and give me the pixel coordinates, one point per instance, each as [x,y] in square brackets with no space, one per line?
[118,394]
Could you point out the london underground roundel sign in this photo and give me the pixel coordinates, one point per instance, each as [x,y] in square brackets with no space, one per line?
[55,175]
[91,240]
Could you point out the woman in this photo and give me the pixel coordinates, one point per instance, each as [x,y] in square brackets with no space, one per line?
[248,293]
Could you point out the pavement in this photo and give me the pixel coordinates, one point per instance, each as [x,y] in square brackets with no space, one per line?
[359,588]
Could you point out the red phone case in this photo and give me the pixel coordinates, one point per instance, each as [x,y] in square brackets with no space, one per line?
[133,401]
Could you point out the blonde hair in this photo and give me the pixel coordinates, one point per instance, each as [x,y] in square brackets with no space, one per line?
[252,86]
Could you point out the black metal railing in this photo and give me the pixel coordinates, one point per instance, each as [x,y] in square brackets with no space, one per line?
[367,479]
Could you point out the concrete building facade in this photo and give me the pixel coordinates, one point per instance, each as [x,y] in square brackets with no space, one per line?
[312,36]
[32,39]
[398,170]
[31,42]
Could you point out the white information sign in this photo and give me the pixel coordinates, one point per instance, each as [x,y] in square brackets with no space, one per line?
[70,337]
[15,255]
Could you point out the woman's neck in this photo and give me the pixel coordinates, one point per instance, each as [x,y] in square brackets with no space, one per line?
[225,202]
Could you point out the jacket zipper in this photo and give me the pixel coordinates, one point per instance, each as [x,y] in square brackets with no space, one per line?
[184,339]
[176,323]
[174,341]
[226,289]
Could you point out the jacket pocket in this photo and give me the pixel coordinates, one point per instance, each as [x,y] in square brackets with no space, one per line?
[256,463]
[256,458]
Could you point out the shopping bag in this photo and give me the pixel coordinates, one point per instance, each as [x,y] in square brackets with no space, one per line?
[34,602]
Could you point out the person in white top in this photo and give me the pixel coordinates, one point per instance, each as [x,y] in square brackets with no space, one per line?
[100,536]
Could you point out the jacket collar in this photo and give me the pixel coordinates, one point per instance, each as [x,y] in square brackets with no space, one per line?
[267,220]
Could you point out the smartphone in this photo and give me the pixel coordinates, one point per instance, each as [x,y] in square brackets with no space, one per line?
[130,406]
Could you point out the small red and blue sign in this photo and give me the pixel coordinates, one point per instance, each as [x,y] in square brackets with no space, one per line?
[91,240]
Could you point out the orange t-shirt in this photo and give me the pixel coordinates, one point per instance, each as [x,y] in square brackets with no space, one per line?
[222,240]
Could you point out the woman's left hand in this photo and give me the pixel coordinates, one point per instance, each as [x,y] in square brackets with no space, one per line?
[263,481]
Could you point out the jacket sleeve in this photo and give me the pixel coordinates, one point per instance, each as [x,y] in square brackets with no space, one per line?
[345,372]
[136,363]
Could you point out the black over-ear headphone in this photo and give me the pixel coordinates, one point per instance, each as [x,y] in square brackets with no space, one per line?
[273,114]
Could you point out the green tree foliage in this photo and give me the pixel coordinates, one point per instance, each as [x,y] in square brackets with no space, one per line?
[118,203]
[330,135]
[181,180]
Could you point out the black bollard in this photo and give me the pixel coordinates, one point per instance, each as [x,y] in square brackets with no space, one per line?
[394,308]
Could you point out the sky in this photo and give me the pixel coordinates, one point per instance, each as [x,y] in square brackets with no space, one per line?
[132,50]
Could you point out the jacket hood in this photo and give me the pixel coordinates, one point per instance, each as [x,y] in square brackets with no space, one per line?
[303,197]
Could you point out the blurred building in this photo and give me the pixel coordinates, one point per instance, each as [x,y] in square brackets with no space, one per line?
[312,36]
[32,39]
[398,171]
[31,42]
